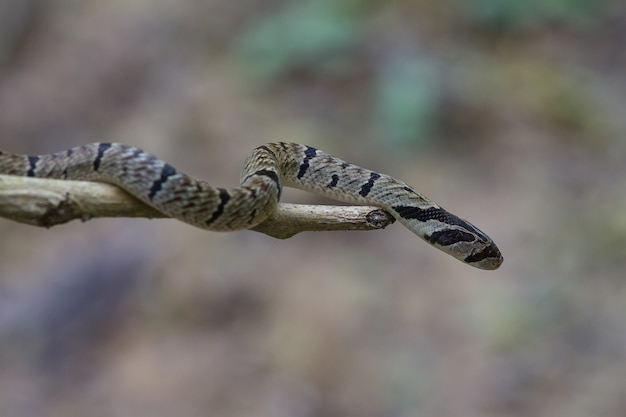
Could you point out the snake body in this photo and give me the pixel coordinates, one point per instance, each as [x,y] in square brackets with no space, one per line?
[266,171]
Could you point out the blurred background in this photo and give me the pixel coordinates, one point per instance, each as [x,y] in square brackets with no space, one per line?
[508,113]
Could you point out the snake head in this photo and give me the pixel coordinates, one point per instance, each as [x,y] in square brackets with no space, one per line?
[448,233]
[487,258]
[467,243]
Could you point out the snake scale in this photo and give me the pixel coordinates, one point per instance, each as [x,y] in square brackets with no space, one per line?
[266,171]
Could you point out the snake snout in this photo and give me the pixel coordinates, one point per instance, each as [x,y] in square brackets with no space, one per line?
[488,258]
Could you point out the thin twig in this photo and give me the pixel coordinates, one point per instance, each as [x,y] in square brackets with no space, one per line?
[48,202]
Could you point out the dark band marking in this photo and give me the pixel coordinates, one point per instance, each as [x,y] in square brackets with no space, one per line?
[367,187]
[450,236]
[268,173]
[345,165]
[166,172]
[32,161]
[431,213]
[309,154]
[489,252]
[68,153]
[439,214]
[273,176]
[335,180]
[224,197]
[101,150]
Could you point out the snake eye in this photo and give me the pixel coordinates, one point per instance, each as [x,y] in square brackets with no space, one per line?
[450,236]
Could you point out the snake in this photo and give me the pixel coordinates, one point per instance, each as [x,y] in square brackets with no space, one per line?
[268,168]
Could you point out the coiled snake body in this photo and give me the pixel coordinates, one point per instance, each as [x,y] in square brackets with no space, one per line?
[266,170]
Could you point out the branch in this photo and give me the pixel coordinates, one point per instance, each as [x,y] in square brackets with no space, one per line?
[48,202]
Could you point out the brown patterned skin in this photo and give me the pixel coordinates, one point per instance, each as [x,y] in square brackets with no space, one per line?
[266,171]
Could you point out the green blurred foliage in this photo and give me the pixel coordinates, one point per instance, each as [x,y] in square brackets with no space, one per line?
[407,98]
[510,14]
[316,35]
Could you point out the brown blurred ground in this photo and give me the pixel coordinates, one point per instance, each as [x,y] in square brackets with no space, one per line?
[511,117]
